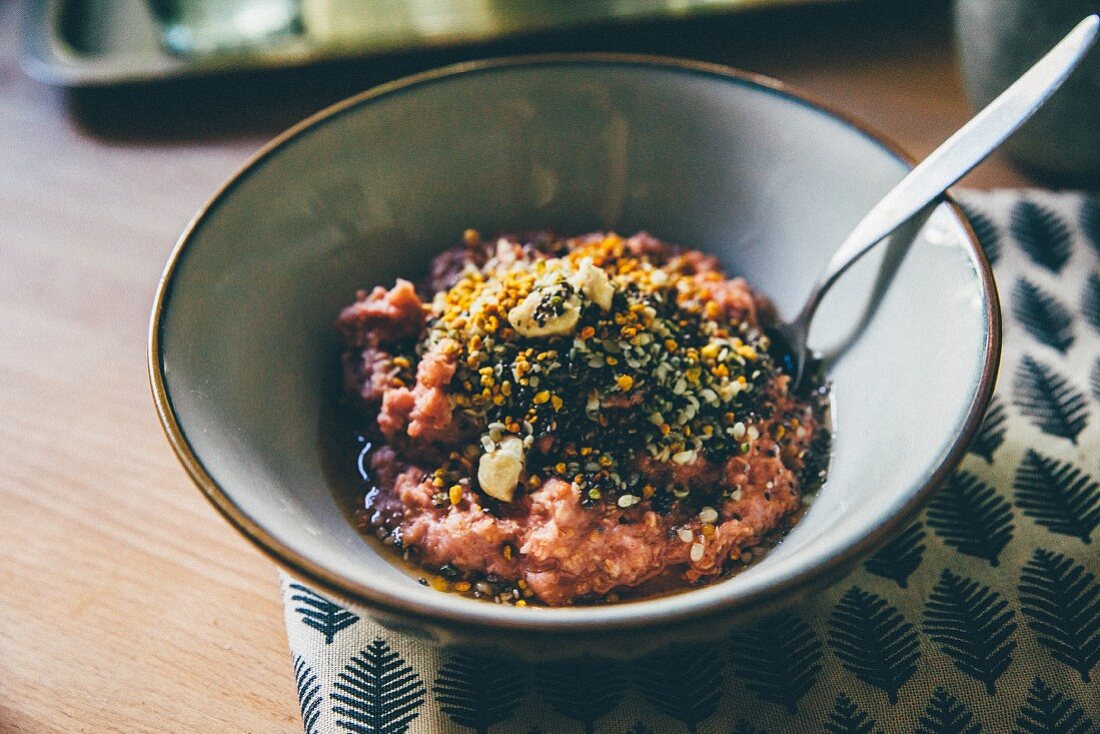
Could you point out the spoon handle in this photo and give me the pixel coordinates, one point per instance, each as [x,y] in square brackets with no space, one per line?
[959,154]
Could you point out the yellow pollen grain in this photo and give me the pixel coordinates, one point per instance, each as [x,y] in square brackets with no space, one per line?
[455,494]
[542,396]
[462,586]
[624,382]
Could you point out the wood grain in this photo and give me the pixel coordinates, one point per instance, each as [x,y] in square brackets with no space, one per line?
[126,603]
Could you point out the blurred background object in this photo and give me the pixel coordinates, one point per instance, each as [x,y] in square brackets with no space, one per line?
[95,42]
[210,26]
[998,40]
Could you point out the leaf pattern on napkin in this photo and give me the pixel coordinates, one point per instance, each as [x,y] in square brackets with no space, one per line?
[973,626]
[479,690]
[1049,400]
[583,689]
[377,692]
[1047,711]
[320,613]
[971,517]
[1090,221]
[847,718]
[873,641]
[900,557]
[1043,315]
[991,431]
[1090,301]
[1057,495]
[683,682]
[989,237]
[1042,235]
[778,659]
[1061,601]
[945,714]
[309,694]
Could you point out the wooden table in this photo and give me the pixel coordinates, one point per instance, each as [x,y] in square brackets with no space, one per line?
[126,603]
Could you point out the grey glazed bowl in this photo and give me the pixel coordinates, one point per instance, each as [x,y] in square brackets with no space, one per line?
[243,353]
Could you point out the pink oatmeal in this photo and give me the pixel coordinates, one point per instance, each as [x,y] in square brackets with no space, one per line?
[571,420]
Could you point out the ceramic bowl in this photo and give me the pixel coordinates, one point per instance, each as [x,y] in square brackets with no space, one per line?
[243,354]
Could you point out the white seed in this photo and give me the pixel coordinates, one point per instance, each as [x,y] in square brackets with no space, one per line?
[696,553]
[684,457]
[738,430]
[708,514]
[754,432]
[628,500]
[685,535]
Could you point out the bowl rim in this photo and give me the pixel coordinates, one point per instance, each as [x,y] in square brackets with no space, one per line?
[536,619]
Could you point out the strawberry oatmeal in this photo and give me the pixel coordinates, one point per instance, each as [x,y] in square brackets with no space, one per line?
[570,421]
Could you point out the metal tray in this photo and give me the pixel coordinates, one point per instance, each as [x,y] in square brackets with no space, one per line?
[87,43]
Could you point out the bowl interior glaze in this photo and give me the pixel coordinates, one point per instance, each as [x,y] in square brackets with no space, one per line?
[244,355]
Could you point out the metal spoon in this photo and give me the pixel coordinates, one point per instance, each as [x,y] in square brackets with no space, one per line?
[947,164]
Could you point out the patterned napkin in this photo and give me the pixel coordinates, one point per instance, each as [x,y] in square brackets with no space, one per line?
[983,615]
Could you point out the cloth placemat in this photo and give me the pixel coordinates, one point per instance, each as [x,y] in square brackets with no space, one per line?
[982,615]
